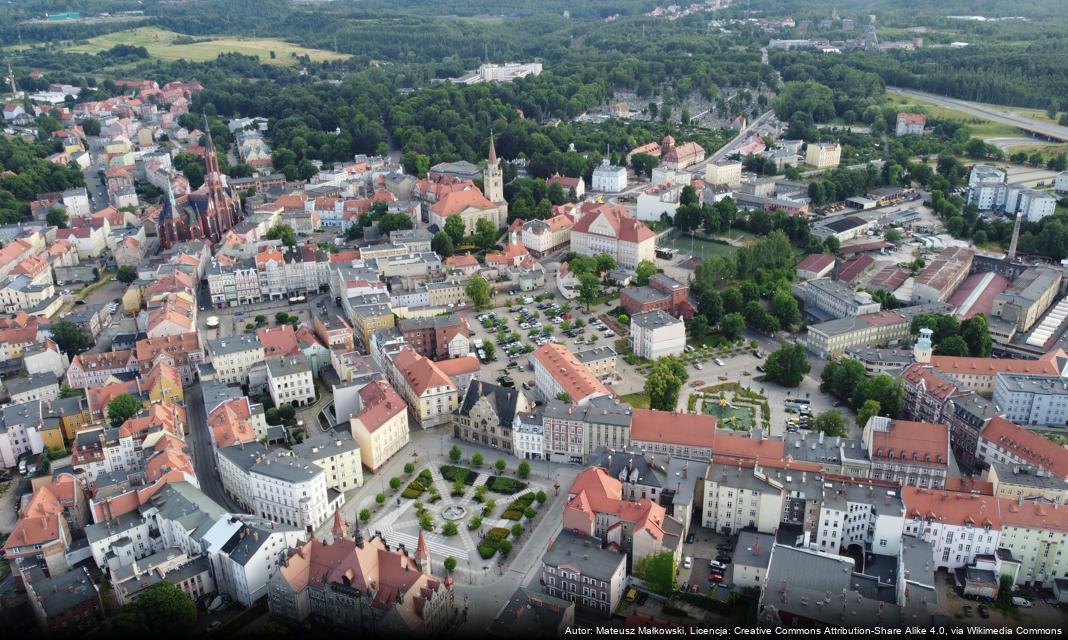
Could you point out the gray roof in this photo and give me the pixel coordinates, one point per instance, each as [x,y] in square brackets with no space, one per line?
[529,613]
[432,322]
[1031,285]
[234,344]
[1037,384]
[185,503]
[595,353]
[245,457]
[58,594]
[753,549]
[113,527]
[916,560]
[584,553]
[599,410]
[505,400]
[284,465]
[216,393]
[21,413]
[654,319]
[325,445]
[1027,476]
[627,466]
[814,447]
[250,537]
[35,381]
[287,366]
[646,294]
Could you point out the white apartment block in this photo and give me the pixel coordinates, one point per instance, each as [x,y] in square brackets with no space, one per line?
[1032,400]
[245,552]
[724,172]
[1060,183]
[1036,534]
[289,381]
[528,436]
[958,526]
[291,491]
[338,455]
[234,356]
[609,178]
[654,334]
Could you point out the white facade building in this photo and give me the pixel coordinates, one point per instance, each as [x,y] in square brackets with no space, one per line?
[289,380]
[245,552]
[654,334]
[291,491]
[528,436]
[1032,400]
[958,526]
[609,178]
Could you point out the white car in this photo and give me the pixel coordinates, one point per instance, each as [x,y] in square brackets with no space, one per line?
[719,362]
[698,366]
[688,562]
[523,325]
[1021,602]
[609,334]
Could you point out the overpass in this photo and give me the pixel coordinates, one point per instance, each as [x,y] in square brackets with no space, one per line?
[1037,128]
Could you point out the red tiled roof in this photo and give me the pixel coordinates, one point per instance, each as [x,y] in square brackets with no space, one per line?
[420,373]
[952,507]
[1033,515]
[1027,445]
[573,377]
[916,440]
[962,365]
[624,226]
[816,262]
[935,385]
[278,341]
[380,404]
[669,427]
[457,201]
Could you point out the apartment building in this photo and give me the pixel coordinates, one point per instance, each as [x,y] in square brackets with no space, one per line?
[559,374]
[823,155]
[437,337]
[1035,533]
[245,551]
[338,455]
[1001,441]
[426,388]
[654,334]
[912,453]
[290,381]
[724,172]
[93,369]
[573,433]
[234,357]
[575,568]
[291,491]
[959,526]
[825,299]
[979,374]
[380,426]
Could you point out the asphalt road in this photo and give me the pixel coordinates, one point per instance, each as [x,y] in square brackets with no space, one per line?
[203,453]
[997,115]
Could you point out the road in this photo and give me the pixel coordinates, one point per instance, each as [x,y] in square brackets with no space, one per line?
[1047,129]
[203,453]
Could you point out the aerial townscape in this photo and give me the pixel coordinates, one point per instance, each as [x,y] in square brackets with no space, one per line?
[502,319]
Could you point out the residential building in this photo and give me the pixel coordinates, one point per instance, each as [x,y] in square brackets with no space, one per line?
[42,533]
[909,124]
[573,433]
[823,155]
[234,356]
[38,386]
[1028,297]
[437,337]
[1035,533]
[609,178]
[21,431]
[541,237]
[1032,400]
[574,188]
[724,172]
[531,613]
[682,435]
[577,569]
[338,455]
[912,453]
[290,381]
[1001,441]
[655,334]
[659,201]
[927,392]
[291,491]
[611,229]
[841,335]
[191,575]
[596,507]
[362,586]
[65,604]
[601,361]
[245,552]
[1030,204]
[959,526]
[662,292]
[825,299]
[380,426]
[557,371]
[1017,482]
[751,559]
[429,392]
[528,436]
[182,352]
[979,374]
[487,413]
[45,357]
[986,187]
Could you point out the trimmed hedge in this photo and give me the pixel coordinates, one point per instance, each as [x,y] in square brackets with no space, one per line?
[491,542]
[512,514]
[505,485]
[486,551]
[454,473]
[411,494]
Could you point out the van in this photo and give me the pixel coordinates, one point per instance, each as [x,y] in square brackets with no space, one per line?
[1021,602]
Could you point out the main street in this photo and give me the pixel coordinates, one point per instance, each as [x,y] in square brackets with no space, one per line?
[202,450]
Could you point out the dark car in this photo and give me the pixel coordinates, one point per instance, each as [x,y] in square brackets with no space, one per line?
[690,538]
[725,559]
[725,546]
[983,611]
[967,611]
[642,597]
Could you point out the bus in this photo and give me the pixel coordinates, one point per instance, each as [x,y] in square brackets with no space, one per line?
[297,299]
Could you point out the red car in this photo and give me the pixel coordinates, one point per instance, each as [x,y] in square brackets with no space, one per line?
[567,316]
[715,577]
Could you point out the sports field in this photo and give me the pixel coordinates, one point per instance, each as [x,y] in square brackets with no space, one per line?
[160,44]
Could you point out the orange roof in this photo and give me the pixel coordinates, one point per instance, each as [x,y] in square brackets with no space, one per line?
[459,366]
[951,507]
[595,492]
[624,227]
[38,523]
[669,427]
[573,377]
[1027,445]
[457,201]
[263,257]
[230,425]
[99,397]
[466,260]
[170,458]
[1033,515]
[961,365]
[164,415]
[912,442]
[933,383]
[278,341]
[420,373]
[178,346]
[380,404]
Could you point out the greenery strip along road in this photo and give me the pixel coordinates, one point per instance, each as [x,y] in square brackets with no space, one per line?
[996,115]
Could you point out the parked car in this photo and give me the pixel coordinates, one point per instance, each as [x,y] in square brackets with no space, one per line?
[725,546]
[967,611]
[688,562]
[718,362]
[725,559]
[715,577]
[690,538]
[698,366]
[718,567]
[1021,602]
[983,611]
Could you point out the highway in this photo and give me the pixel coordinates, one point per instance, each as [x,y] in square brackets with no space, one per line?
[1006,116]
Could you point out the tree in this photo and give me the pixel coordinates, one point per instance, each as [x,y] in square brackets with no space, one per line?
[162,609]
[501,465]
[122,408]
[505,547]
[523,470]
[517,530]
[784,307]
[787,365]
[442,244]
[732,325]
[664,382]
[126,274]
[645,270]
[380,498]
[476,460]
[485,234]
[415,164]
[454,227]
[70,338]
[975,331]
[589,288]
[478,290]
[831,423]
[394,483]
[365,515]
[57,217]
[409,468]
[888,391]
[287,411]
[455,454]
[841,378]
[869,409]
[489,350]
[657,570]
[450,564]
[450,529]
[952,346]
[643,163]
[283,232]
[605,262]
[540,497]
[699,327]
[563,396]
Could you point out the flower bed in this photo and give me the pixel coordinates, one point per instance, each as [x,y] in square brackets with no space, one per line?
[414,489]
[512,514]
[491,542]
[505,485]
[452,474]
